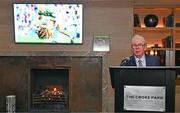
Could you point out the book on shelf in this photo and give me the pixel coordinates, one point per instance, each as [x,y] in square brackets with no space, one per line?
[167,42]
[177,58]
[169,20]
[136,21]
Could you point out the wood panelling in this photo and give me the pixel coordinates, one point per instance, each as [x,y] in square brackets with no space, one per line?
[168,3]
[101,17]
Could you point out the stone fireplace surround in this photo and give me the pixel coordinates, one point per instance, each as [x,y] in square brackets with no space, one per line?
[85,79]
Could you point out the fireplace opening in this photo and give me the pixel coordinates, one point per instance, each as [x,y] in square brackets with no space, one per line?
[49,90]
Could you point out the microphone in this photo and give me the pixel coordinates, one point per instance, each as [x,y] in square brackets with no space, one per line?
[124,61]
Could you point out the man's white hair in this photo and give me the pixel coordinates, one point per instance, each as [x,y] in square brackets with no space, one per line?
[139,37]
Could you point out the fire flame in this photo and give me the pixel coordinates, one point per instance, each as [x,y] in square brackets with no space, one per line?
[55,89]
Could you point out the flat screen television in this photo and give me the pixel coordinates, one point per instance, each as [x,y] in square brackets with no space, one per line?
[48,23]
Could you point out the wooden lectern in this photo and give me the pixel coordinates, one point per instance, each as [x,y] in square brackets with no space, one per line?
[148,89]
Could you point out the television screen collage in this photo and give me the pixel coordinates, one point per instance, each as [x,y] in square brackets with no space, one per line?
[48,23]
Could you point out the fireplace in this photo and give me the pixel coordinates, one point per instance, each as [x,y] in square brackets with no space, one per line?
[57,82]
[49,89]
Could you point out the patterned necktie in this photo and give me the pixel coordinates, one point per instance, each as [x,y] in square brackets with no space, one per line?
[140,63]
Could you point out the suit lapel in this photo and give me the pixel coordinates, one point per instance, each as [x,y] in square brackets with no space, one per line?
[148,62]
[133,61]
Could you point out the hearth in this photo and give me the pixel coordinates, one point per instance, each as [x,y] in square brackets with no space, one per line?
[49,89]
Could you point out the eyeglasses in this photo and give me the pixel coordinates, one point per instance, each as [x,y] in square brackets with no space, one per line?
[138,46]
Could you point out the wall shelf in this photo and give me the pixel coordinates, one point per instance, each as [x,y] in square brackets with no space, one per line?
[163,36]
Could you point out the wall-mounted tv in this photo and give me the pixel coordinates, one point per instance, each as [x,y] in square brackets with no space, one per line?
[48,23]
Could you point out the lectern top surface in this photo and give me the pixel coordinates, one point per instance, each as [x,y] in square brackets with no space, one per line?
[166,67]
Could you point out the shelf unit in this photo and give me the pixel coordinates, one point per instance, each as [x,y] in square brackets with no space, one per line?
[171,55]
[163,39]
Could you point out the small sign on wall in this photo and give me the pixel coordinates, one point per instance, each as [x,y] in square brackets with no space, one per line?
[101,43]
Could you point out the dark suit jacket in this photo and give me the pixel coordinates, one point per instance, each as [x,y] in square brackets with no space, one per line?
[150,61]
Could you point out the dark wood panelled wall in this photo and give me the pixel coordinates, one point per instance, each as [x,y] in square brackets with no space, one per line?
[101,17]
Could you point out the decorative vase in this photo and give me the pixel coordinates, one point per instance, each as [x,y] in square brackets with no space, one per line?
[151,20]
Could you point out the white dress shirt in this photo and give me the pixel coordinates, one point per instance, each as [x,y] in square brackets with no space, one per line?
[143,59]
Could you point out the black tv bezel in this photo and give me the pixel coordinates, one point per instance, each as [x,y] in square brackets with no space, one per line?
[48,43]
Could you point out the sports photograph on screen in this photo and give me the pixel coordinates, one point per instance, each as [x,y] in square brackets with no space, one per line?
[48,23]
